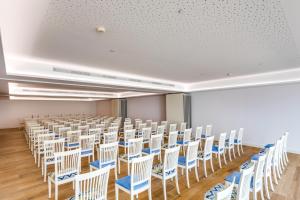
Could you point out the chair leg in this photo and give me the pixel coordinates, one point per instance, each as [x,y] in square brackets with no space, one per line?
[56,191]
[224,156]
[274,175]
[204,168]
[229,152]
[119,168]
[177,185]
[149,193]
[233,150]
[219,159]
[39,160]
[242,148]
[45,173]
[262,193]
[254,195]
[266,187]
[238,149]
[116,173]
[187,177]
[128,168]
[271,183]
[196,173]
[164,188]
[212,165]
[116,192]
[49,188]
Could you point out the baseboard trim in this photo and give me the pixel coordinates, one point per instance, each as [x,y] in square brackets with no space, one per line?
[258,146]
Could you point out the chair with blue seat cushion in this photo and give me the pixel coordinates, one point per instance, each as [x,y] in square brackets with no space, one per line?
[39,150]
[128,134]
[168,169]
[51,147]
[139,179]
[186,138]
[87,146]
[189,161]
[229,145]
[72,140]
[220,149]
[221,192]
[98,132]
[154,146]
[92,185]
[172,140]
[268,171]
[134,151]
[208,131]
[107,157]
[238,141]
[67,166]
[206,154]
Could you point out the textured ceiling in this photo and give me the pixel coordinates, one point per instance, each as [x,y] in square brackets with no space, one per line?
[182,40]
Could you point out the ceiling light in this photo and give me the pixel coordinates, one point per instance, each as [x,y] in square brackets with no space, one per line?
[51,99]
[100,29]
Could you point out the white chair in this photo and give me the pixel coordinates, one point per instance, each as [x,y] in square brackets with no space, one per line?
[62,132]
[182,127]
[172,140]
[189,161]
[74,127]
[161,129]
[286,159]
[34,138]
[154,127]
[110,137]
[51,147]
[128,134]
[220,192]
[186,138]
[146,135]
[98,132]
[197,134]
[56,128]
[84,129]
[40,148]
[87,144]
[172,128]
[168,169]
[139,180]
[72,140]
[107,157]
[134,151]
[67,166]
[229,145]
[154,146]
[92,185]
[148,122]
[258,182]
[220,149]
[113,129]
[207,132]
[268,171]
[275,162]
[238,141]
[206,154]
[243,180]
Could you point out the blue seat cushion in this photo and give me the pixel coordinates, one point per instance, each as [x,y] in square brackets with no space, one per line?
[255,157]
[216,148]
[84,152]
[269,145]
[237,176]
[122,143]
[125,182]
[236,141]
[181,142]
[182,161]
[212,192]
[97,164]
[63,177]
[148,150]
[72,145]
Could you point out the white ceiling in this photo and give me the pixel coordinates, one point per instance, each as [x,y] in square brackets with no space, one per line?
[188,43]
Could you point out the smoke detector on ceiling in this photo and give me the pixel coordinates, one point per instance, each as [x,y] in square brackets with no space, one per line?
[100,29]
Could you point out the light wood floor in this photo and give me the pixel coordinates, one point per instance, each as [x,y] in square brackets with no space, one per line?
[21,179]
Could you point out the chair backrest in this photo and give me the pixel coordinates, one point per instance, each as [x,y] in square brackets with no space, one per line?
[198,133]
[73,136]
[269,158]
[128,127]
[172,127]
[141,126]
[170,161]
[51,147]
[155,143]
[222,140]
[160,129]
[41,138]
[92,185]
[56,128]
[286,134]
[153,126]
[67,162]
[182,126]
[240,135]
[135,147]
[146,133]
[164,123]
[259,171]
[110,137]
[91,125]
[129,134]
[36,133]
[102,126]
[137,123]
[113,129]
[209,141]
[187,135]
[141,171]
[74,127]
[148,122]
[226,193]
[231,137]
[107,154]
[243,190]
[62,132]
[87,142]
[84,129]
[172,141]
[208,130]
[192,152]
[98,132]
[276,153]
[114,124]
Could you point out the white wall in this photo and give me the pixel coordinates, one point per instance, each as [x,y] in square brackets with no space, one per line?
[265,112]
[104,107]
[174,108]
[12,111]
[147,107]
